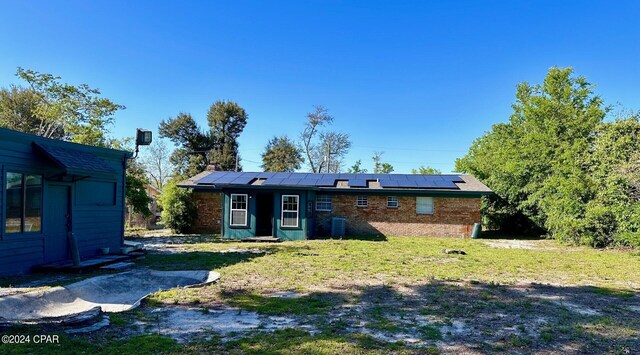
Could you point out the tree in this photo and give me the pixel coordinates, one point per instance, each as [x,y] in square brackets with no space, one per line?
[136,191]
[136,198]
[282,154]
[356,168]
[53,109]
[18,110]
[426,170]
[557,163]
[178,210]
[378,166]
[226,122]
[156,161]
[315,121]
[331,151]
[198,148]
[192,155]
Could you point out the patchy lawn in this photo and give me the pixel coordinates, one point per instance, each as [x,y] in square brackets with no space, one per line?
[378,295]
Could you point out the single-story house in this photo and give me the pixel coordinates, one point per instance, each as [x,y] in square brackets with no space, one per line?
[293,206]
[58,199]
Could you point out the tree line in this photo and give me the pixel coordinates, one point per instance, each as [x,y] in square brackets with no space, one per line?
[563,164]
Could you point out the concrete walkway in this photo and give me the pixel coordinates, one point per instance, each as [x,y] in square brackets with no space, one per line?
[112,293]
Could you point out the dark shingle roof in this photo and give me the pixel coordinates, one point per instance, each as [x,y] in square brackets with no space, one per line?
[74,159]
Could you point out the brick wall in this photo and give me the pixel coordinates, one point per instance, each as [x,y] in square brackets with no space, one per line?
[453,217]
[209,212]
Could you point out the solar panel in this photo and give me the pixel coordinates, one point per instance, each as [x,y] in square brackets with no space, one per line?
[273,181]
[292,181]
[266,175]
[308,182]
[357,183]
[326,182]
[243,180]
[329,180]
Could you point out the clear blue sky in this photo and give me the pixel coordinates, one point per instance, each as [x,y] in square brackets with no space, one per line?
[417,79]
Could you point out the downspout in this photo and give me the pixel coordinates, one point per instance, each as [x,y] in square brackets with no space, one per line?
[124,196]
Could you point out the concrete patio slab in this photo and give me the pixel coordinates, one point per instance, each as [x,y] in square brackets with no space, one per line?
[112,293]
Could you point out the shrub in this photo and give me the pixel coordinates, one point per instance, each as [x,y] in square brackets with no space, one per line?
[178,209]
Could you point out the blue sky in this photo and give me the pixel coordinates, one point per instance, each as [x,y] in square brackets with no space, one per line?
[417,79]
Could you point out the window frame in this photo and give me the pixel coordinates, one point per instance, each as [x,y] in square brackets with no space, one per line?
[330,202]
[359,198]
[245,209]
[282,211]
[393,198]
[433,205]
[23,217]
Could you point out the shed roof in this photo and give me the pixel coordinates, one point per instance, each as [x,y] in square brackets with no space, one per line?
[73,159]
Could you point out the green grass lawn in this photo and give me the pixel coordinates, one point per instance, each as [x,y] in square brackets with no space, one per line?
[392,295]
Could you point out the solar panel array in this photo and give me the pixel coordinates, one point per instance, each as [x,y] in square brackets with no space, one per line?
[329,180]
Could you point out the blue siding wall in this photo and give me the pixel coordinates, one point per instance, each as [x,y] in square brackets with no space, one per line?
[95,226]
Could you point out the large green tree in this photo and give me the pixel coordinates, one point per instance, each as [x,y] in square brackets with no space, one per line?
[226,122]
[198,148]
[50,108]
[193,145]
[558,163]
[282,154]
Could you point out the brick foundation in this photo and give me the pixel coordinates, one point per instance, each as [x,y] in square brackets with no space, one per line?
[452,217]
[209,212]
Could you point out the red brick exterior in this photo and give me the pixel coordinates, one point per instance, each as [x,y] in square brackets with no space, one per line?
[452,217]
[209,212]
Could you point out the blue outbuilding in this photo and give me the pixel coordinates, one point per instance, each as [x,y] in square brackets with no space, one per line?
[59,201]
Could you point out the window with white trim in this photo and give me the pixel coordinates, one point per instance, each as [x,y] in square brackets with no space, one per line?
[392,201]
[323,203]
[290,211]
[424,205]
[362,201]
[238,211]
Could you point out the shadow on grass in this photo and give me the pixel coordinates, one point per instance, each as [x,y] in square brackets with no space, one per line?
[314,303]
[471,317]
[196,260]
[367,238]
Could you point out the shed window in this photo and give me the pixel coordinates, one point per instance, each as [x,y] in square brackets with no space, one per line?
[323,203]
[362,201]
[424,205]
[23,203]
[238,210]
[290,211]
[392,201]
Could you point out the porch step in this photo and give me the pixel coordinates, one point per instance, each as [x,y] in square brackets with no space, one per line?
[88,264]
[262,239]
[117,266]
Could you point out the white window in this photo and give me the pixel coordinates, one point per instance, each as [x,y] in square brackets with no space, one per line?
[392,201]
[238,210]
[323,202]
[362,201]
[290,211]
[424,205]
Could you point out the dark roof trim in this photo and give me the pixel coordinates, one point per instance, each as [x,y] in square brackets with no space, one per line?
[346,191]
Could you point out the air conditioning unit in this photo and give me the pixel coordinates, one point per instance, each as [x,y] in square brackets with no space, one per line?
[338,226]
